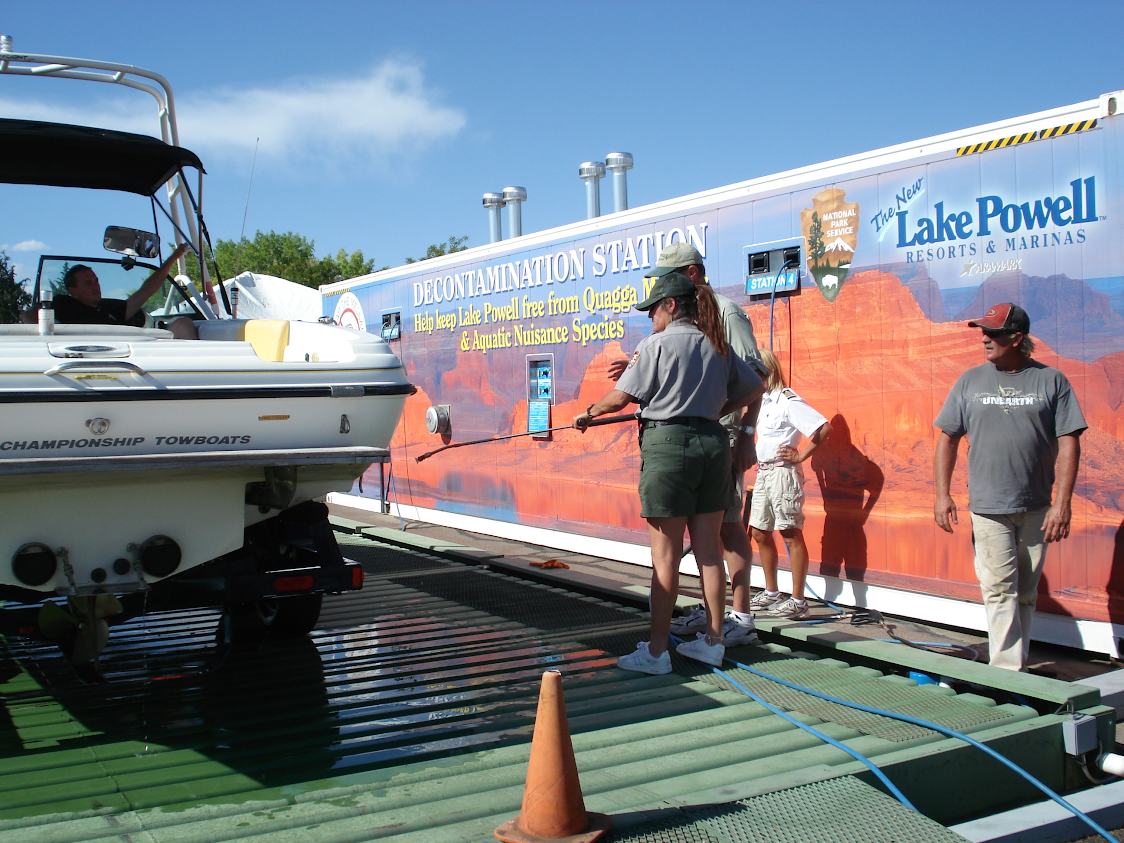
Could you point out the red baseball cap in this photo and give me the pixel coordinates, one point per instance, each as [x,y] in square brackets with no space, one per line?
[1004,317]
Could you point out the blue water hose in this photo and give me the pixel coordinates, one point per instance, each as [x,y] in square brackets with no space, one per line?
[947,646]
[858,756]
[808,589]
[916,721]
[394,491]
[975,656]
[773,296]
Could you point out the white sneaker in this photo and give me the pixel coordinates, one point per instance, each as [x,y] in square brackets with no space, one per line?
[642,661]
[700,651]
[735,631]
[693,621]
[763,600]
[789,609]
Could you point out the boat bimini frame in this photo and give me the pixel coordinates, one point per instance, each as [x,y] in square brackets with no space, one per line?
[184,209]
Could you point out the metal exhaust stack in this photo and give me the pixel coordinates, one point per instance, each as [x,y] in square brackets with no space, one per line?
[514,197]
[619,163]
[493,202]
[591,172]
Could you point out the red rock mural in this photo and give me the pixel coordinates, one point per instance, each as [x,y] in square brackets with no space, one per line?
[935,241]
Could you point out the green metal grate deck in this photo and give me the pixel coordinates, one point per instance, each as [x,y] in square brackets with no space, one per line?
[860,685]
[408,714]
[842,810]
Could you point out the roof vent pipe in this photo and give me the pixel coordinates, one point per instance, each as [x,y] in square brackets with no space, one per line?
[591,172]
[5,43]
[493,202]
[515,197]
[618,163]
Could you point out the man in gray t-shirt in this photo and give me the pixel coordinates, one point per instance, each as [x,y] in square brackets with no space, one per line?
[1021,418]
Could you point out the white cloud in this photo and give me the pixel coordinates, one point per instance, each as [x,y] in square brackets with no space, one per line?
[26,246]
[385,112]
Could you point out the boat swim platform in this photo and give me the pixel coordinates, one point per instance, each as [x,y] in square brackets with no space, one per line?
[407,715]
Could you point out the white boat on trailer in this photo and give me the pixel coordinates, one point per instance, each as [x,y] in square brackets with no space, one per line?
[139,470]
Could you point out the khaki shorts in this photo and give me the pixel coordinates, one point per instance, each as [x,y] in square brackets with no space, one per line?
[685,470]
[778,499]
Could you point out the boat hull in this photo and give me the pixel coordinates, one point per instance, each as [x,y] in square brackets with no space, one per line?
[110,440]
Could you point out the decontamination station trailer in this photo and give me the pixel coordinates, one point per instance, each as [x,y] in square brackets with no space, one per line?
[896,250]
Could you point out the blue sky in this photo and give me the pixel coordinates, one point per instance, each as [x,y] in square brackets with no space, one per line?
[381,124]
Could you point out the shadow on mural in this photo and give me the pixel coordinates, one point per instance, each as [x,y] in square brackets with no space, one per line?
[850,484]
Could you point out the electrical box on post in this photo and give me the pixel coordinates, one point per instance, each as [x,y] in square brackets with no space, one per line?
[540,394]
[773,268]
[1079,734]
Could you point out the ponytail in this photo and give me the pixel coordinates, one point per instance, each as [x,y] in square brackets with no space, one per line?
[709,320]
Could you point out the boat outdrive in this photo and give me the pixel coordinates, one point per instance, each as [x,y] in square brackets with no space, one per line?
[140,471]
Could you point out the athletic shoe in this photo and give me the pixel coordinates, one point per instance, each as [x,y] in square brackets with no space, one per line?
[693,621]
[735,631]
[700,651]
[642,661]
[789,609]
[763,600]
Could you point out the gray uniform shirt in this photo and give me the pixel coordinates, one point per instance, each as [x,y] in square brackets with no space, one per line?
[742,342]
[677,372]
[1013,421]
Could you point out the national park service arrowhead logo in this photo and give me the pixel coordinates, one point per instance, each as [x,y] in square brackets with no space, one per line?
[831,228]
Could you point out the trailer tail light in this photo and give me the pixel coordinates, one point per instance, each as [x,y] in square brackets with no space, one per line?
[304,582]
[357,577]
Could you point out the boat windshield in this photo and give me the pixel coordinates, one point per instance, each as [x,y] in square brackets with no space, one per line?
[119,279]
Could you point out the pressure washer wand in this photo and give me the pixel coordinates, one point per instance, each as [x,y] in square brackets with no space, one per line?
[593,423]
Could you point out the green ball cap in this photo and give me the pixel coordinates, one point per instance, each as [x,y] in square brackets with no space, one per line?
[668,286]
[674,256]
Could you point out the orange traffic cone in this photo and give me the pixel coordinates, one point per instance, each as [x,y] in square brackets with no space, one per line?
[553,809]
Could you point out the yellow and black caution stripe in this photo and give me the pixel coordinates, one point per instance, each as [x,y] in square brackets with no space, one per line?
[1069,129]
[1014,140]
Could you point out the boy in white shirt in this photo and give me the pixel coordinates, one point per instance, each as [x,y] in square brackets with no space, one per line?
[778,494]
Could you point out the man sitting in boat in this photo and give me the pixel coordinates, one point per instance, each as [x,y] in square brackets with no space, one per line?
[83,304]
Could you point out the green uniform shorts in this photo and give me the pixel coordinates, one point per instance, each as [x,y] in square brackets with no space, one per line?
[685,470]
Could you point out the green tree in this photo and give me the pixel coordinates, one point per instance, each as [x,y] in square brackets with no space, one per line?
[14,299]
[343,266]
[289,256]
[816,248]
[453,244]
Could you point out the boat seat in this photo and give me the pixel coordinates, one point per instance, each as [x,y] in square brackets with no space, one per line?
[268,337]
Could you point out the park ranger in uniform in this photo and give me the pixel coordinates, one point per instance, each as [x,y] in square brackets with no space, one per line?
[738,625]
[685,379]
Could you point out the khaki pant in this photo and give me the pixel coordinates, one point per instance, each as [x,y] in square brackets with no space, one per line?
[1010,552]
[778,498]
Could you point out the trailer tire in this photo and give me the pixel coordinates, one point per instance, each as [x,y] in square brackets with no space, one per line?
[295,616]
[278,617]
